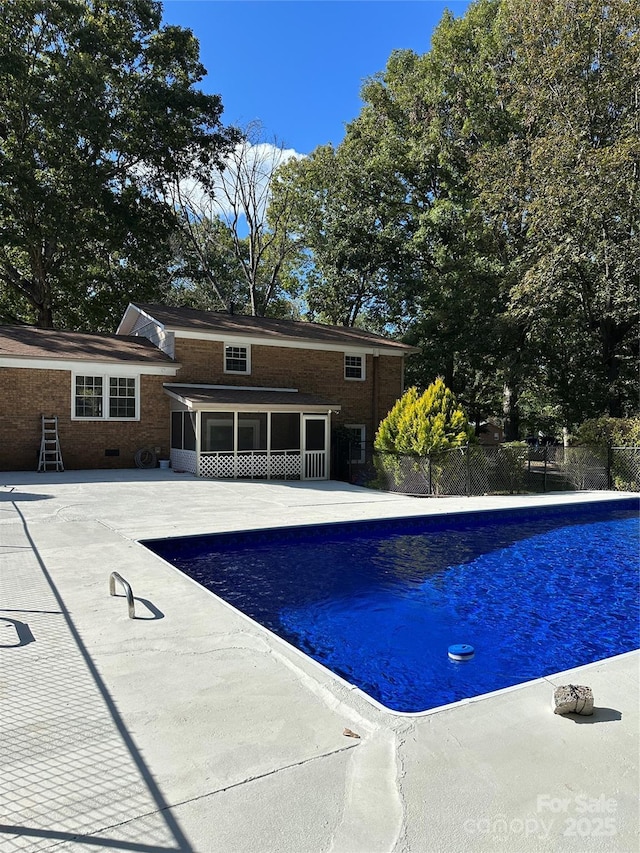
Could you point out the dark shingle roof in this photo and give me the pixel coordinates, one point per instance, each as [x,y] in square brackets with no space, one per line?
[33,342]
[266,327]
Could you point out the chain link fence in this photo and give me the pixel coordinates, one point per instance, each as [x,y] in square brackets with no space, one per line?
[480,470]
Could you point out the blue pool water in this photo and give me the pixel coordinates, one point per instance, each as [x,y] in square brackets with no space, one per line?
[379,603]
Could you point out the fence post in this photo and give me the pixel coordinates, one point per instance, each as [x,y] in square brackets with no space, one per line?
[544,475]
[468,471]
[430,479]
[609,467]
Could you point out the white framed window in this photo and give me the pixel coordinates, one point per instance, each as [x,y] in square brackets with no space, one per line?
[237,359]
[122,397]
[99,397]
[89,397]
[357,434]
[354,366]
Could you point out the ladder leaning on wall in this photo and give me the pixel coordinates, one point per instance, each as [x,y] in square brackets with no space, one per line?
[50,453]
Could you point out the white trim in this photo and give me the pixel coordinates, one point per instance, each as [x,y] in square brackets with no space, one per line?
[363,367]
[105,397]
[129,318]
[226,387]
[208,406]
[312,460]
[246,348]
[289,343]
[124,368]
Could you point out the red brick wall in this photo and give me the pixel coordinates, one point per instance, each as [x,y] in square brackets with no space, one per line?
[27,394]
[310,371]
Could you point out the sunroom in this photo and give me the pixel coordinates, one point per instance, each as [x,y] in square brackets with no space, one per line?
[250,433]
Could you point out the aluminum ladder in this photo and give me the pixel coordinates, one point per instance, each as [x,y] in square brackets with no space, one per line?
[50,453]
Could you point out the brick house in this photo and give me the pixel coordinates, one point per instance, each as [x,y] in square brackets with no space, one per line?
[223,395]
[106,390]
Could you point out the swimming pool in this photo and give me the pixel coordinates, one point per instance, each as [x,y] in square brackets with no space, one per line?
[535,591]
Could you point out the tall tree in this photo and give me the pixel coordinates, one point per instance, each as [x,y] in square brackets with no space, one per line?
[571,173]
[507,158]
[98,106]
[343,213]
[237,192]
[204,270]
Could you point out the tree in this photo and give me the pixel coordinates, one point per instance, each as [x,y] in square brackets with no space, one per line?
[98,109]
[434,112]
[419,425]
[342,211]
[204,271]
[506,164]
[237,192]
[566,181]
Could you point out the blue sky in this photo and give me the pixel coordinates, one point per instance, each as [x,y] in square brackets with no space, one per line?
[298,65]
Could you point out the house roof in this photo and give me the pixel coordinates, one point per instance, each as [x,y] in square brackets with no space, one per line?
[191,319]
[202,396]
[33,342]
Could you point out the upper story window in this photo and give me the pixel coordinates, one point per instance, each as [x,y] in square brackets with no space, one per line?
[105,397]
[354,367]
[237,359]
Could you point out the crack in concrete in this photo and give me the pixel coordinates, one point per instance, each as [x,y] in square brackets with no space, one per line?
[233,785]
[402,735]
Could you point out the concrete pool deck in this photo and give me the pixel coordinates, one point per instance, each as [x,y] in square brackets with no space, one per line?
[192,729]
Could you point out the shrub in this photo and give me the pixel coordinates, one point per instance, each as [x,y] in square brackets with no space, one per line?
[420,425]
[615,432]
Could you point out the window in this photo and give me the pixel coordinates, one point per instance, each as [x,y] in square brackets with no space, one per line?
[105,397]
[88,397]
[285,431]
[357,434]
[252,431]
[217,430]
[183,432]
[353,367]
[122,397]
[237,359]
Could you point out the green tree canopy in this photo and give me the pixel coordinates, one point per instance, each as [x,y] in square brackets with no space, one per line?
[495,195]
[343,209]
[98,109]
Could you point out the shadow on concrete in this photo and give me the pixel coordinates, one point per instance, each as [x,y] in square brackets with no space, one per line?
[90,775]
[23,633]
[89,840]
[600,715]
[13,496]
[155,612]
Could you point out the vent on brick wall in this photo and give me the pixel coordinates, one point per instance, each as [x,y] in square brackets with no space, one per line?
[115,451]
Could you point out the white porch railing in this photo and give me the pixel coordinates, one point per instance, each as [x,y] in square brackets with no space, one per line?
[315,464]
[251,464]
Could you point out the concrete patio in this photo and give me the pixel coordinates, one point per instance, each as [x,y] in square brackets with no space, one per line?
[190,728]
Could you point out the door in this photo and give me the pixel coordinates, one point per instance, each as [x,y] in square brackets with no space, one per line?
[315,432]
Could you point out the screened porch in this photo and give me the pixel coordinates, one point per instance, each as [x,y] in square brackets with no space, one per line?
[250,434]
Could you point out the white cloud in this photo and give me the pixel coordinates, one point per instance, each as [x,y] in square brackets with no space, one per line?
[244,184]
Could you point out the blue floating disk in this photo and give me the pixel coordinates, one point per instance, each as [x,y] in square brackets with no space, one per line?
[461,651]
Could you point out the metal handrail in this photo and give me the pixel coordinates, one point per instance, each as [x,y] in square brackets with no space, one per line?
[115,576]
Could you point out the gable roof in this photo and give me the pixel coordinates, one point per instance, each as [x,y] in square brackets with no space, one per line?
[194,320]
[34,343]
